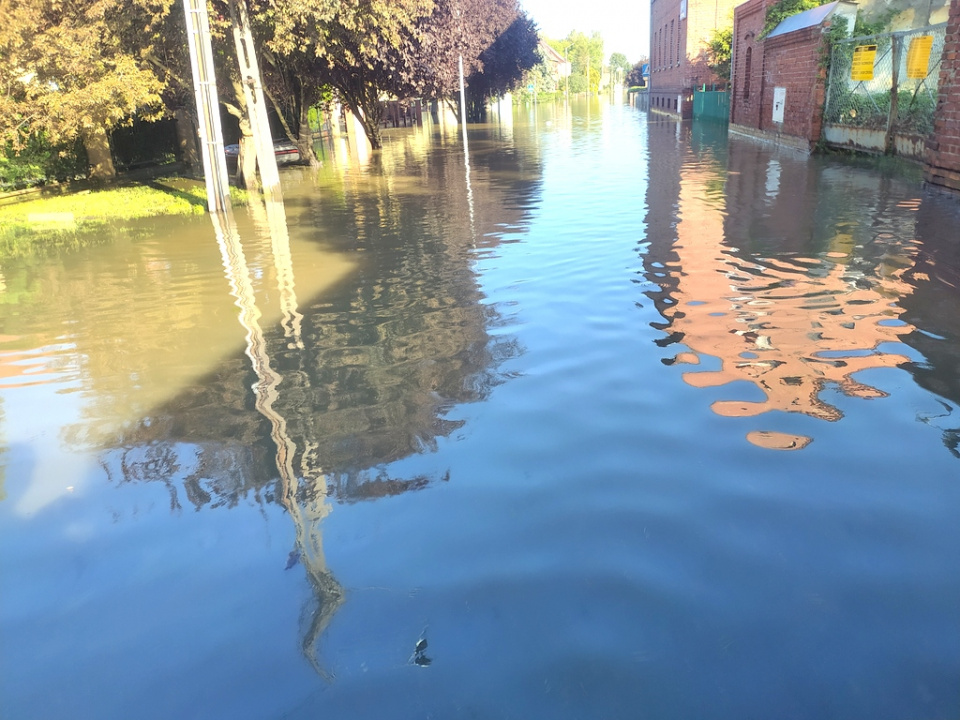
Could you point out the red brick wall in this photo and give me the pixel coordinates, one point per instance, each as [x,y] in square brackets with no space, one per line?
[793,61]
[748,23]
[790,61]
[943,147]
[678,62]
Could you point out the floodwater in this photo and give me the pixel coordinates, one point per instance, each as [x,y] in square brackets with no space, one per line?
[619,419]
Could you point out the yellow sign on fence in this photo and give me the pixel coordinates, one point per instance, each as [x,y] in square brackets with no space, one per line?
[918,57]
[863,59]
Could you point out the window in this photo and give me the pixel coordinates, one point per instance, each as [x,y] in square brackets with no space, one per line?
[679,31]
[748,68]
[671,42]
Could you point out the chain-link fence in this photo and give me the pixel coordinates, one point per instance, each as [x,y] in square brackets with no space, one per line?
[886,82]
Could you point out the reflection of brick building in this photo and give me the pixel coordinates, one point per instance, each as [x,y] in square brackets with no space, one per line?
[779,82]
[679,32]
[757,260]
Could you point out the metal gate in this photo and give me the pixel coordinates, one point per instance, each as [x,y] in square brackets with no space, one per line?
[882,91]
[711,105]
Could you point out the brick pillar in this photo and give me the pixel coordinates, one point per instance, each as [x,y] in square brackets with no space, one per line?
[943,147]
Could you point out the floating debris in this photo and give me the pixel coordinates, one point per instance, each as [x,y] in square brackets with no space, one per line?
[419,656]
[292,559]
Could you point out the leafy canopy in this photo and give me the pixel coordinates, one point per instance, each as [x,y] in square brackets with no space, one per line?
[68,70]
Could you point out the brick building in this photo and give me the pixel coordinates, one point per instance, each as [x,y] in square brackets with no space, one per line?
[778,83]
[679,32]
[943,147]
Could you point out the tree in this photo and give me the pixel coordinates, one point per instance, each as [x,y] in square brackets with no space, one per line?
[635,76]
[360,46]
[294,84]
[455,29]
[504,63]
[619,66]
[719,51]
[585,54]
[67,74]
[782,9]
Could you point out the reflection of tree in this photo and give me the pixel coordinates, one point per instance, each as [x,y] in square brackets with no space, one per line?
[3,453]
[788,298]
[365,374]
[930,311]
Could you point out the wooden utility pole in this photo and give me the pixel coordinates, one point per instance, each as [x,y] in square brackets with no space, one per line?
[208,106]
[253,96]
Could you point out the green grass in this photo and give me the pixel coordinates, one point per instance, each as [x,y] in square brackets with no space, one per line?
[74,219]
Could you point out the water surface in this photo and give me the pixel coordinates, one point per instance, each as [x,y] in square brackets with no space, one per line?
[612,417]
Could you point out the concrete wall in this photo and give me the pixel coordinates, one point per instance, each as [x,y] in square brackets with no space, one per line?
[943,147]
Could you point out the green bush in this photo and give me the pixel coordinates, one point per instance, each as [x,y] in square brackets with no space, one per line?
[39,163]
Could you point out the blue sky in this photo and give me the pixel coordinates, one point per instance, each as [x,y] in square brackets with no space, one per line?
[624,25]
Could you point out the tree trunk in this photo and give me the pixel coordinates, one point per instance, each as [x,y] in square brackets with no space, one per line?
[187,139]
[369,114]
[305,134]
[247,159]
[252,93]
[246,172]
[97,145]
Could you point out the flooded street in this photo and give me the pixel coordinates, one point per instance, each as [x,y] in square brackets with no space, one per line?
[620,418]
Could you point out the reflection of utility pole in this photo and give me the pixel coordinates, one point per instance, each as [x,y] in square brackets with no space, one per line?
[307,506]
[271,219]
[208,105]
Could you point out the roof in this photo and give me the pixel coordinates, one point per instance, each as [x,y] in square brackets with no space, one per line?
[806,19]
[550,54]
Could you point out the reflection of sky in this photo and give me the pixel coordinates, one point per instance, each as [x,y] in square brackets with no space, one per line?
[605,541]
[98,344]
[39,469]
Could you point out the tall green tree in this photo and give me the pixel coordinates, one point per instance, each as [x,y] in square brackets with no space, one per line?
[719,50]
[66,73]
[359,44]
[504,63]
[585,54]
[619,66]
[635,75]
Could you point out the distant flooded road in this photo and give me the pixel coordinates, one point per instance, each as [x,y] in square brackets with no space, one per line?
[614,417]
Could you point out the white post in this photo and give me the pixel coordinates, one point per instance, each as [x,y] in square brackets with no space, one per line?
[253,95]
[463,105]
[208,106]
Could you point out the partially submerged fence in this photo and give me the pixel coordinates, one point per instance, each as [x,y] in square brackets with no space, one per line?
[711,105]
[882,91]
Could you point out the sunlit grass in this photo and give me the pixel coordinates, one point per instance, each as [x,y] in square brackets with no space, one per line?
[74,219]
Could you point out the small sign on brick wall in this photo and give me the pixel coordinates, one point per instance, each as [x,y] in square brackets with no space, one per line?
[779,101]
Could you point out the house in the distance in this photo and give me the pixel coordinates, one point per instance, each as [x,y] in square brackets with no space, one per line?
[558,67]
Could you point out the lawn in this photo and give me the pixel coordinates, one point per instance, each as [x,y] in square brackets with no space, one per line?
[54,222]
